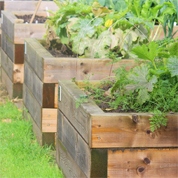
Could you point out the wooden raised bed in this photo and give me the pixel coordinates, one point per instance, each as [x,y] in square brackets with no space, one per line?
[91,143]
[161,32]
[12,53]
[26,6]
[41,74]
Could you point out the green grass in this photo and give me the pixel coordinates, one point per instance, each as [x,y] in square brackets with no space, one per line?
[20,154]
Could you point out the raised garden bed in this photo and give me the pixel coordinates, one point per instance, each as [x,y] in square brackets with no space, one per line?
[12,56]
[161,32]
[91,143]
[26,6]
[41,74]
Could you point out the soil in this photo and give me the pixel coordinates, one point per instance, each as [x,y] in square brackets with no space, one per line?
[104,105]
[59,50]
[27,18]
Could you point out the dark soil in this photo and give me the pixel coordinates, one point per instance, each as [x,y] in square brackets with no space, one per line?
[103,104]
[59,50]
[27,18]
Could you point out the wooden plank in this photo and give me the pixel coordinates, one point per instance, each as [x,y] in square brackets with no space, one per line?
[14,90]
[79,117]
[118,130]
[93,163]
[49,120]
[59,68]
[18,76]
[8,24]
[22,31]
[32,105]
[107,130]
[42,138]
[74,144]
[160,34]
[56,96]
[35,57]
[66,163]
[14,51]
[44,93]
[36,130]
[1,6]
[29,6]
[7,64]
[157,163]
[8,46]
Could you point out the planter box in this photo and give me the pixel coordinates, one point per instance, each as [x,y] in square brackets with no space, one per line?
[41,74]
[27,6]
[86,134]
[161,32]
[12,53]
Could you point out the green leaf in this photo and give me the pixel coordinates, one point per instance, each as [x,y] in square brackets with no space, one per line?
[140,79]
[172,65]
[143,96]
[147,53]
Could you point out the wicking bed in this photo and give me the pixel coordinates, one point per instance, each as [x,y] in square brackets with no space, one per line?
[91,143]
[14,31]
[41,74]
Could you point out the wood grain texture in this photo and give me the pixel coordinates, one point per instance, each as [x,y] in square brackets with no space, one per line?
[22,31]
[33,106]
[93,163]
[135,163]
[49,120]
[18,73]
[56,96]
[119,130]
[160,34]
[8,24]
[112,130]
[79,117]
[29,6]
[14,90]
[34,84]
[42,138]
[66,163]
[7,64]
[44,93]
[8,46]
[35,57]
[36,130]
[75,145]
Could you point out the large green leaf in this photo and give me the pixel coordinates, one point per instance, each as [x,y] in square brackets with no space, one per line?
[172,66]
[146,52]
[143,96]
[140,79]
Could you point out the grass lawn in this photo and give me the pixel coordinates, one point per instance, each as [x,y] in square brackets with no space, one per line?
[20,154]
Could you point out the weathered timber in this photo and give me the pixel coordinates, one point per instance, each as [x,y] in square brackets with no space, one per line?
[92,163]
[17,32]
[50,69]
[32,105]
[28,6]
[14,89]
[14,71]
[42,138]
[14,51]
[43,92]
[157,163]
[112,130]
[158,31]
[45,118]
